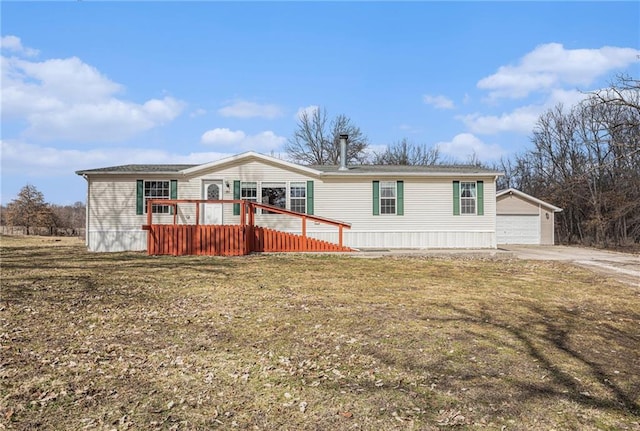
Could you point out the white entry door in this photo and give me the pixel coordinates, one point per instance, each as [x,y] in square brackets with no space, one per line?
[212,213]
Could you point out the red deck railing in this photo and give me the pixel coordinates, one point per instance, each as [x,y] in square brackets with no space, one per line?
[233,240]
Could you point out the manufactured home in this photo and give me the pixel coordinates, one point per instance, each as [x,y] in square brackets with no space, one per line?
[383,207]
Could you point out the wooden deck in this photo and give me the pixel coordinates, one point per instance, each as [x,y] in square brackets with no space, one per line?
[233,240]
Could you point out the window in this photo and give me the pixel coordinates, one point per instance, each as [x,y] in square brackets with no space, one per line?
[387,197]
[249,191]
[298,197]
[274,194]
[157,190]
[468,197]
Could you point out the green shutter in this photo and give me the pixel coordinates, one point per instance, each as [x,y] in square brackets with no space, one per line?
[456,198]
[139,197]
[376,198]
[173,192]
[236,195]
[174,189]
[480,191]
[310,197]
[400,198]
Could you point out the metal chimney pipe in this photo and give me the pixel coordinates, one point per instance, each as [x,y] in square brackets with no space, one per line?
[343,152]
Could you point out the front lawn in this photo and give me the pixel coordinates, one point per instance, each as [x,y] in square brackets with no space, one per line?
[304,342]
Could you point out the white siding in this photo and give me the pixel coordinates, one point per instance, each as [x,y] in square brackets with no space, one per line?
[112,221]
[428,220]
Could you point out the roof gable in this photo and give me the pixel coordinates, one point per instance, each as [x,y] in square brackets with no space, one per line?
[251,156]
[523,195]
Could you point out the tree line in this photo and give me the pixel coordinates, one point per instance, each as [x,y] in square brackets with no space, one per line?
[584,159]
[30,211]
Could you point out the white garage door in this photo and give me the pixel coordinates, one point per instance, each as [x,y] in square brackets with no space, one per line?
[518,229]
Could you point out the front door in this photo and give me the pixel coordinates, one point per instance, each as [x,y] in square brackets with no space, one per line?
[212,213]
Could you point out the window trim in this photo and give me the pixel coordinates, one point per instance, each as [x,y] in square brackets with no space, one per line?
[466,198]
[399,198]
[141,197]
[457,198]
[394,198]
[302,199]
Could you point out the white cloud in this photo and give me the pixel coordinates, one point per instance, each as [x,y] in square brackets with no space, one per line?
[266,141]
[71,100]
[14,44]
[522,119]
[464,145]
[244,109]
[307,110]
[222,136]
[41,161]
[551,65]
[440,102]
[519,120]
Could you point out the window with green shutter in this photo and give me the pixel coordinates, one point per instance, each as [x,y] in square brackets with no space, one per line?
[388,197]
[155,189]
[468,197]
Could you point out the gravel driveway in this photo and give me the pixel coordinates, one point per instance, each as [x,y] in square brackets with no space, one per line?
[621,266]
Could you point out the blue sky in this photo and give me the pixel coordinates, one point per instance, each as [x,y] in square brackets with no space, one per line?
[94,84]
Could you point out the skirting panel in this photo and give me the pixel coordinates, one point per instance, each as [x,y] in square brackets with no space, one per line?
[136,240]
[411,239]
[112,241]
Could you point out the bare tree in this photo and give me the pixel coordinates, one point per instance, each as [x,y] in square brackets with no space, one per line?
[316,140]
[587,161]
[406,153]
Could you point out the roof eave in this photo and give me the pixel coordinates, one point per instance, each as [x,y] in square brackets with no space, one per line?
[411,174]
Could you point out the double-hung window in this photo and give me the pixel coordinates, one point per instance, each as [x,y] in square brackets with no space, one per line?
[249,191]
[298,197]
[157,190]
[387,197]
[468,197]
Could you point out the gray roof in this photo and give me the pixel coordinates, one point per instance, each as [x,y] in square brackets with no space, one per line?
[329,169]
[426,169]
[137,169]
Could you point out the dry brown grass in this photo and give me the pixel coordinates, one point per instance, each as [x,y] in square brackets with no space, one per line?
[294,342]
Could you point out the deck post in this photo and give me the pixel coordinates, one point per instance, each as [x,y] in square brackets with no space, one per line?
[340,235]
[304,234]
[197,214]
[175,213]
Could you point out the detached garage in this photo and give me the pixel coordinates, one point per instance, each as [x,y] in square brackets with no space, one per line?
[523,219]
